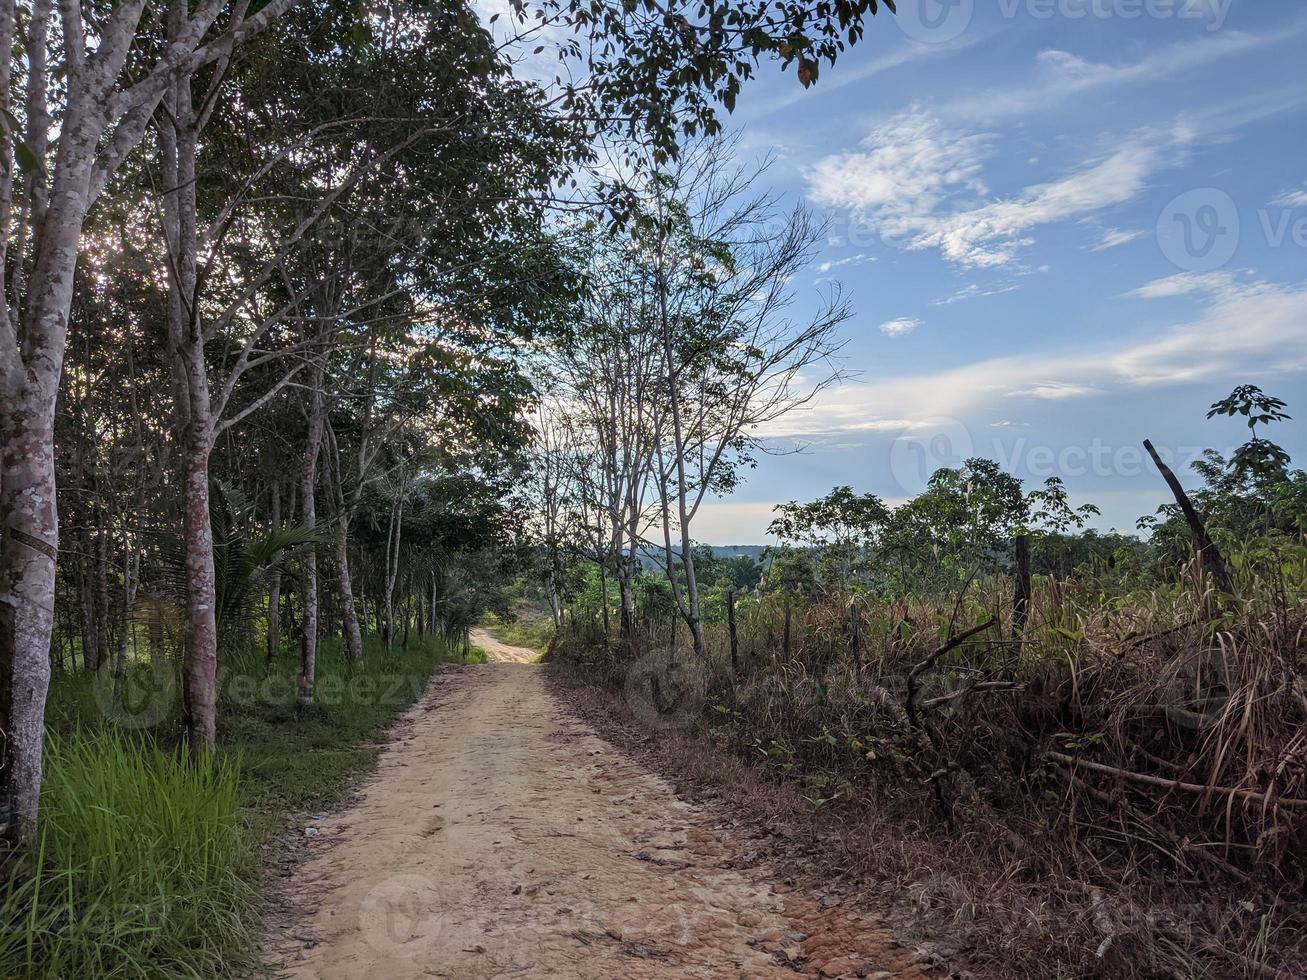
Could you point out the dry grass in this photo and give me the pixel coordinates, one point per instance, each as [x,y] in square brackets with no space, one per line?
[1121,791]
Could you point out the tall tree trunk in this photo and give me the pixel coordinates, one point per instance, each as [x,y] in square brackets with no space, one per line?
[29,520]
[1021,585]
[86,595]
[309,517]
[1207,550]
[690,608]
[200,668]
[274,582]
[102,604]
[349,614]
[193,415]
[29,523]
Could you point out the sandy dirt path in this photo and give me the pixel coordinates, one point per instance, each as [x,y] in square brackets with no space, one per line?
[499,652]
[501,837]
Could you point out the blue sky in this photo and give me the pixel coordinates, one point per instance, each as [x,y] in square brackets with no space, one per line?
[1064,225]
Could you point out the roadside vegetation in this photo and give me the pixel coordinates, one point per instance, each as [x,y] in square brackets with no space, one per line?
[1087,748]
[152,862]
[522,628]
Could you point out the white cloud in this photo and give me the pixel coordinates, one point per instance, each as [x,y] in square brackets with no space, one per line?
[897,328]
[859,259]
[917,181]
[1061,75]
[906,53]
[1245,326]
[910,164]
[1054,391]
[1182,284]
[1112,237]
[1242,329]
[972,291]
[1291,199]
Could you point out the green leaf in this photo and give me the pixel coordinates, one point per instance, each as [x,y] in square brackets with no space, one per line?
[27,159]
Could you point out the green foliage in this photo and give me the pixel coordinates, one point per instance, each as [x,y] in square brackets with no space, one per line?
[294,759]
[1258,458]
[840,518]
[666,68]
[520,633]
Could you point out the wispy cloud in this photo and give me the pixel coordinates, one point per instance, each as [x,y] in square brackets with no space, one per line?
[906,53]
[1053,391]
[1112,237]
[1060,75]
[1243,327]
[919,182]
[974,291]
[859,259]
[1291,199]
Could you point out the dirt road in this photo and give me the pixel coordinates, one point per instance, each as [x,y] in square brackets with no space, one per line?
[499,652]
[500,837]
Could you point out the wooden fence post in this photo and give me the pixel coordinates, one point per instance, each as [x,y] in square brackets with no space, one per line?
[856,622]
[1021,586]
[730,624]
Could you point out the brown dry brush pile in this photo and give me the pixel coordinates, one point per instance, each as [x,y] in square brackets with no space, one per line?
[1119,791]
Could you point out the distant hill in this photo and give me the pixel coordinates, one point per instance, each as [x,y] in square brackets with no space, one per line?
[652,557]
[736,550]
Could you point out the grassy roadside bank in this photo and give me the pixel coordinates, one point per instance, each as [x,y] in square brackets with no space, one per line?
[151,864]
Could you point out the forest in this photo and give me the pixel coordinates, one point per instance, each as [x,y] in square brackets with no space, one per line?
[344,348]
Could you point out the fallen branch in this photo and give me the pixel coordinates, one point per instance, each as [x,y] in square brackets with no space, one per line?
[925,665]
[1139,777]
[983,687]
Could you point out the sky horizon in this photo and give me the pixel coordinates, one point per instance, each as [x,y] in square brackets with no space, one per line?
[1064,226]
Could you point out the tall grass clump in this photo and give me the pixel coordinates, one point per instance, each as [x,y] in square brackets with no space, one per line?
[142,867]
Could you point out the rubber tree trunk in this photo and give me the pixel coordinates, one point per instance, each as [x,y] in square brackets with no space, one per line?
[29,523]
[309,518]
[31,361]
[349,613]
[274,583]
[90,622]
[193,418]
[200,669]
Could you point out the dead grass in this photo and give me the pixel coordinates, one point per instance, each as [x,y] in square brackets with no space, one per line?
[1119,792]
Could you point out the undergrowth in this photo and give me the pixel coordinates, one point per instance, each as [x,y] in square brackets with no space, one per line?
[147,862]
[531,634]
[1119,790]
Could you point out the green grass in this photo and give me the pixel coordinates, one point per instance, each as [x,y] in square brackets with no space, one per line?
[520,633]
[147,864]
[143,863]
